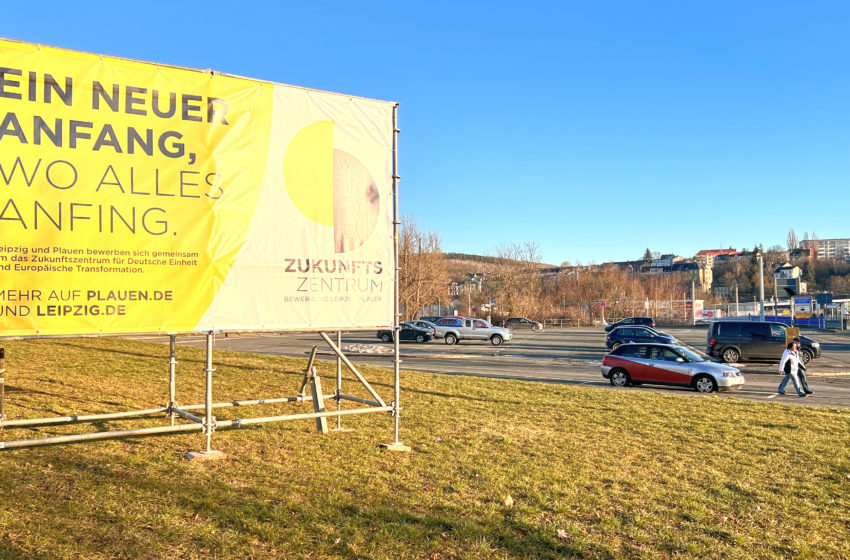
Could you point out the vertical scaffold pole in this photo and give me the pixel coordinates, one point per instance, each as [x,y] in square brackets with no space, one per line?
[208,419]
[338,381]
[396,445]
[172,365]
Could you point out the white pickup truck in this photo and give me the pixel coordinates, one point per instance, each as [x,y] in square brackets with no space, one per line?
[453,329]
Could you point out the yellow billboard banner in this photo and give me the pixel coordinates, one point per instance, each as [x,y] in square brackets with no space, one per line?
[136,197]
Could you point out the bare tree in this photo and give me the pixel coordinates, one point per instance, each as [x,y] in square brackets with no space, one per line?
[792,240]
[515,284]
[422,278]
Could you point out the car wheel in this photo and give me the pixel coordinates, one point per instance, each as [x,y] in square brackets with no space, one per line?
[451,339]
[535,328]
[730,355]
[496,340]
[806,355]
[420,339]
[385,337]
[620,378]
[614,345]
[705,384]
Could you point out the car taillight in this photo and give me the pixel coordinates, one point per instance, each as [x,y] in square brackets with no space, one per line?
[711,341]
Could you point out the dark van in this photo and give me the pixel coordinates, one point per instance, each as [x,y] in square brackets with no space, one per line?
[736,341]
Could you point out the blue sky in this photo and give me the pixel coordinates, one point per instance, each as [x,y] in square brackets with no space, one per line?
[593,129]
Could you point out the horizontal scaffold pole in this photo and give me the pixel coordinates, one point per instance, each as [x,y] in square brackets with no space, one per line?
[26,422]
[114,434]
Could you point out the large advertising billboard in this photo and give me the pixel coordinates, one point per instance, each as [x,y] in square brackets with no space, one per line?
[136,197]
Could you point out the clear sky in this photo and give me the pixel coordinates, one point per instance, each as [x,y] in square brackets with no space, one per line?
[593,129]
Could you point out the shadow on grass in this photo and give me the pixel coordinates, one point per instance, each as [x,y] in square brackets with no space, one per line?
[278,512]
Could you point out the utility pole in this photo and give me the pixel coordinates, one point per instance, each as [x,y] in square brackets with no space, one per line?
[737,313]
[761,284]
[693,305]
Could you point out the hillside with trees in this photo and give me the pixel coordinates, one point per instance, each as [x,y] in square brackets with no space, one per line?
[522,285]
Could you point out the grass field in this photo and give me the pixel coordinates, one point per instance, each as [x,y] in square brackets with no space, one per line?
[499,469]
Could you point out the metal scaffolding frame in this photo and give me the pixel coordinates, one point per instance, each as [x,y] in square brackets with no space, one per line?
[208,423]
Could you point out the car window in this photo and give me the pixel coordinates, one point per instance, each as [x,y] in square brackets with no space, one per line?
[669,356]
[623,331]
[778,331]
[663,354]
[481,324]
[632,350]
[760,330]
[728,329]
[689,355]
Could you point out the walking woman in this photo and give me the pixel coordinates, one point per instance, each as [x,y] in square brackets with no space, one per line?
[788,365]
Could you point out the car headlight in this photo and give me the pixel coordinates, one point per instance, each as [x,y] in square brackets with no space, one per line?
[731,373]
[815,344]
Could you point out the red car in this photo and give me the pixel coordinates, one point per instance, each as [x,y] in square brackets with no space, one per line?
[668,364]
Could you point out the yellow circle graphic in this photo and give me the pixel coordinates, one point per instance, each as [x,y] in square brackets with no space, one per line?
[330,186]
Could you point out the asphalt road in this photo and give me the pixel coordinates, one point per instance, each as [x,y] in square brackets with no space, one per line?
[570,356]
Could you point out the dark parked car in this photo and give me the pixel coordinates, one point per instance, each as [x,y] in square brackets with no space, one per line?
[422,324]
[522,323]
[736,341]
[621,335]
[430,319]
[645,321]
[407,332]
[668,364]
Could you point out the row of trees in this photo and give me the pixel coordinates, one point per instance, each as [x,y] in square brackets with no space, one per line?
[583,294]
[518,287]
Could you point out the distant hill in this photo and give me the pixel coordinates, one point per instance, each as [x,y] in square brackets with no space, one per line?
[458,265]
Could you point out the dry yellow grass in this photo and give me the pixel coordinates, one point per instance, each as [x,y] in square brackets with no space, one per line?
[499,469]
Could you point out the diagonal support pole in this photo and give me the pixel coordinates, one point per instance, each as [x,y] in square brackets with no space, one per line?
[309,372]
[353,369]
[318,403]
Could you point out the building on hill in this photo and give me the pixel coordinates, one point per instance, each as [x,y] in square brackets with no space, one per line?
[672,264]
[660,265]
[788,276]
[733,257]
[472,284]
[828,248]
[706,257]
[628,266]
[800,255]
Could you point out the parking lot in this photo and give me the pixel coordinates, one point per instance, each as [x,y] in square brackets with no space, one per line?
[569,356]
